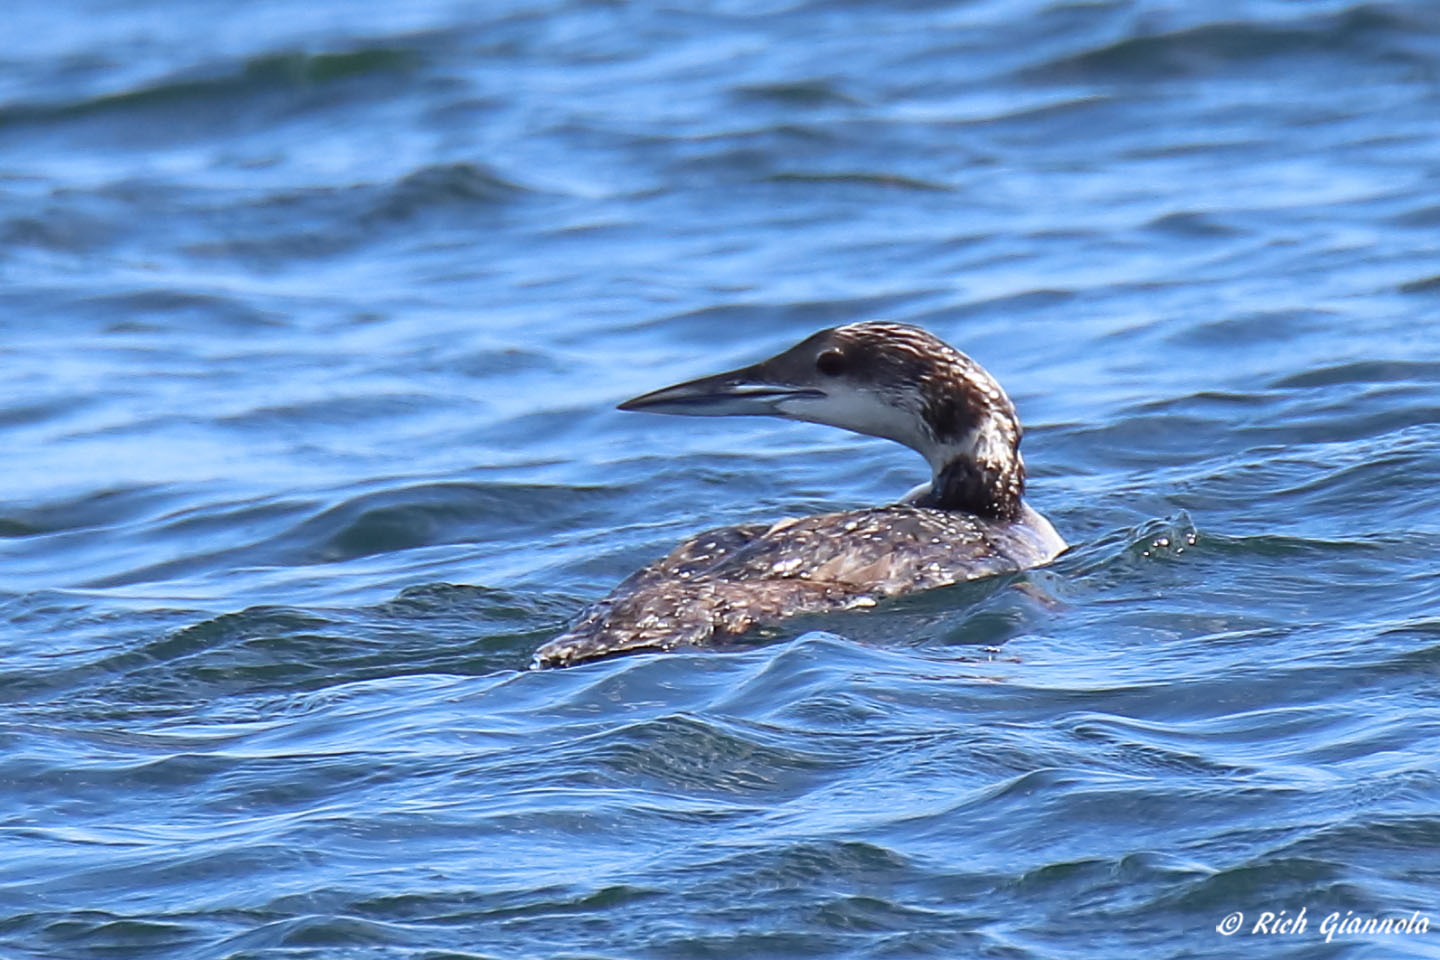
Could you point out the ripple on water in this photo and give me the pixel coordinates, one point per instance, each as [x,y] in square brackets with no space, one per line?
[1227,47]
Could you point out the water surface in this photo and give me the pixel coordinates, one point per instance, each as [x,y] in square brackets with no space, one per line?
[314,319]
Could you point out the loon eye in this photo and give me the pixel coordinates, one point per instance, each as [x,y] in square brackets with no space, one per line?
[831,363]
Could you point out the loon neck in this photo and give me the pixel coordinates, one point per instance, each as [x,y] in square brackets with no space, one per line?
[986,489]
[978,468]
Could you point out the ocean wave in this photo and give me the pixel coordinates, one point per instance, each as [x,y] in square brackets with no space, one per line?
[1365,33]
[220,87]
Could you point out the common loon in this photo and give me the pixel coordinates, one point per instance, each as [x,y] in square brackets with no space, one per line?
[883,379]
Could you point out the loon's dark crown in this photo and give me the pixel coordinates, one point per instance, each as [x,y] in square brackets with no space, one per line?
[890,380]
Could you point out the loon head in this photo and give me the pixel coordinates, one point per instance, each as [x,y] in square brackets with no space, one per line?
[888,380]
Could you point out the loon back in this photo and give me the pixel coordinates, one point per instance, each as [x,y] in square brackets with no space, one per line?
[883,379]
[722,583]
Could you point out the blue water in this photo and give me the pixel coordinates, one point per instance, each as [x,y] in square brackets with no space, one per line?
[312,322]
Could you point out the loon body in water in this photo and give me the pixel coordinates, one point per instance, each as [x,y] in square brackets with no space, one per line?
[888,380]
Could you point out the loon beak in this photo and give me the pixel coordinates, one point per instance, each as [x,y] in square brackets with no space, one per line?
[748,392]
